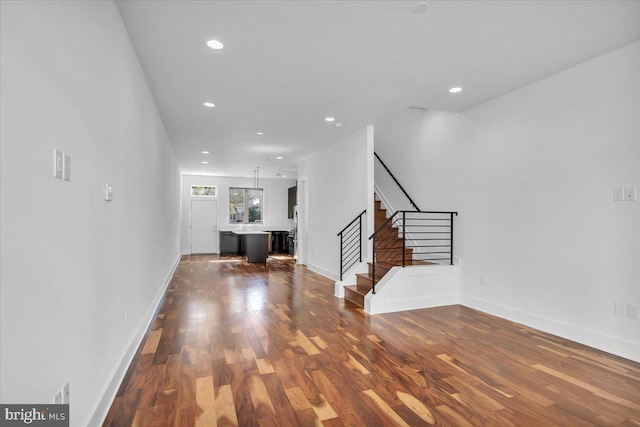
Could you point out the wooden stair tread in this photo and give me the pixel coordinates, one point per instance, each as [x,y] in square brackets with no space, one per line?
[354,288]
[367,276]
[354,295]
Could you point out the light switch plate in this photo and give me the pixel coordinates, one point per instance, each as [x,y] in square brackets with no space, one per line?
[58,166]
[630,194]
[618,194]
[108,192]
[66,172]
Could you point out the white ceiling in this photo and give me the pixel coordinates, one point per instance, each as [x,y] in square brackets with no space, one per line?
[288,64]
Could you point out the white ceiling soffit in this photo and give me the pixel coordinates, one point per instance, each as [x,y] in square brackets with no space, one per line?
[286,65]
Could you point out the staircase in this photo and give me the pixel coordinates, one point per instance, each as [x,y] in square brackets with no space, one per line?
[404,238]
[388,252]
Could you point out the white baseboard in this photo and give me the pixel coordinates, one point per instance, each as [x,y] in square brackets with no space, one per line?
[102,408]
[415,303]
[326,273]
[627,349]
[349,278]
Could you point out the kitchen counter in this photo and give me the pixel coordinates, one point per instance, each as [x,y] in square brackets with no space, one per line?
[254,245]
[243,232]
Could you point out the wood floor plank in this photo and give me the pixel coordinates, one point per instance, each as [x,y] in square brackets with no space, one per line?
[151,345]
[225,407]
[416,406]
[238,344]
[260,397]
[204,392]
[384,410]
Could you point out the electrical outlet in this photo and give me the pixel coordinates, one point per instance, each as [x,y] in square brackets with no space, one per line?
[632,311]
[483,280]
[126,317]
[630,194]
[57,399]
[618,194]
[65,393]
[618,309]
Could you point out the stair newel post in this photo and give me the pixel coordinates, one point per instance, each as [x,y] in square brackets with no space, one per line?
[404,261]
[373,273]
[451,242]
[340,256]
[360,237]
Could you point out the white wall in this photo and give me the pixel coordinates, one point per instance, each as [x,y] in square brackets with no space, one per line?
[275,205]
[71,262]
[532,174]
[338,188]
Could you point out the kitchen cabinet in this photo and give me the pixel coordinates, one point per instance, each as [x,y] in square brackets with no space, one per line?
[229,243]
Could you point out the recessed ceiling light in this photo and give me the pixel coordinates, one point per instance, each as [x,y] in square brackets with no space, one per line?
[205,152]
[259,133]
[329,119]
[456,89]
[279,157]
[338,125]
[419,7]
[205,163]
[215,44]
[284,176]
[209,104]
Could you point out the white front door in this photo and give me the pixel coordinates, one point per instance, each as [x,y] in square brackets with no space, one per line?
[204,226]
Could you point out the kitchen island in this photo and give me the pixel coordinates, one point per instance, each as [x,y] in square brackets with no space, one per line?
[254,245]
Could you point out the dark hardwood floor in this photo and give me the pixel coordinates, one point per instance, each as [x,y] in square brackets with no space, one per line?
[254,345]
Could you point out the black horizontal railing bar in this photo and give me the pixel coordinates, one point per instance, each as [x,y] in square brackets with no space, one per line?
[426,219]
[444,238]
[349,233]
[431,232]
[432,258]
[350,262]
[352,251]
[431,212]
[347,243]
[354,220]
[431,225]
[350,248]
[396,181]
[351,256]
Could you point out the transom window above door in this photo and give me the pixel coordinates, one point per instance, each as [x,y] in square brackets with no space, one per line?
[204,190]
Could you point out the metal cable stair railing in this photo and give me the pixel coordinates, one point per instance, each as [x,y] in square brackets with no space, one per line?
[351,244]
[413,238]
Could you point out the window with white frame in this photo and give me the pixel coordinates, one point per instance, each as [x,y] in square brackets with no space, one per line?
[246,205]
[204,190]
